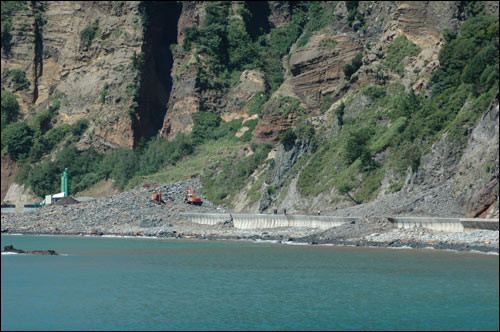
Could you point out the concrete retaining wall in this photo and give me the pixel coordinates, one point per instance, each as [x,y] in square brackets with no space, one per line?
[437,224]
[251,221]
[474,224]
[30,208]
[8,209]
[446,224]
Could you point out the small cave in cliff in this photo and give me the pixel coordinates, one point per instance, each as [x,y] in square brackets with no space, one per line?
[156,83]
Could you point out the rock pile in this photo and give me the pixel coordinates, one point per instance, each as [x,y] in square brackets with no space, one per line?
[126,213]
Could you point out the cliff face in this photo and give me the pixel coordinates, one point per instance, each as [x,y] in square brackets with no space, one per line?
[135,80]
[79,72]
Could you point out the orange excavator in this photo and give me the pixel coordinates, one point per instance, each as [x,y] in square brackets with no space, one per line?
[156,197]
[190,198]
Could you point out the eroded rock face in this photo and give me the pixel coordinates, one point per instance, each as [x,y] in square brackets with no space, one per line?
[77,73]
[185,95]
[317,69]
[476,181]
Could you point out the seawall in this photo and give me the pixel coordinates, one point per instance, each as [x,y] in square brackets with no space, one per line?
[446,224]
[253,221]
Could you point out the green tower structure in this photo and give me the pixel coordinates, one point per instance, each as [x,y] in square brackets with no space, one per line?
[64,182]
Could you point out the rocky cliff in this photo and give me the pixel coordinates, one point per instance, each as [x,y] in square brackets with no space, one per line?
[126,68]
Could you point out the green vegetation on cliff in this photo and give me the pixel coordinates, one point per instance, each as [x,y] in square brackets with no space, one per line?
[463,86]
[380,132]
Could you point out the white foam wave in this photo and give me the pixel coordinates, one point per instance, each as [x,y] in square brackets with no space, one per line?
[402,247]
[485,253]
[292,243]
[268,241]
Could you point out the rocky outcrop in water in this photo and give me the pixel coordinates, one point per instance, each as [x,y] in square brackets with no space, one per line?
[11,249]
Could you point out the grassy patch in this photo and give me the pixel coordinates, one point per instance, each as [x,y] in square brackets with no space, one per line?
[399,49]
[229,175]
[204,157]
[328,43]
[254,193]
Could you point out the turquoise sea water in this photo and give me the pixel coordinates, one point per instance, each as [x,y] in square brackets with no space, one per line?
[153,284]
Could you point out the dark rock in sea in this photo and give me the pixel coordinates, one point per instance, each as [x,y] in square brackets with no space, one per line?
[11,248]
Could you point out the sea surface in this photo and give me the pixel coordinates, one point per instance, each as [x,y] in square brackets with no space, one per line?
[168,284]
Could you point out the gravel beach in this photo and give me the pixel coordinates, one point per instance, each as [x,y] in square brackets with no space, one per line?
[133,213]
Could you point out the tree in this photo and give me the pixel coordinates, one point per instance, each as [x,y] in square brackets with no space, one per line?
[345,188]
[18,139]
[10,108]
[356,144]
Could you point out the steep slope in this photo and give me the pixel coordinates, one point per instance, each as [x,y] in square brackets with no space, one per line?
[390,107]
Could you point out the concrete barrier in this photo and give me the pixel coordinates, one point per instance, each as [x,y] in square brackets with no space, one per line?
[472,224]
[206,218]
[252,221]
[8,208]
[437,224]
[30,207]
[446,224]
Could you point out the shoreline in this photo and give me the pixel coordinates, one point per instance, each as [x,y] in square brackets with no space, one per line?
[134,214]
[400,244]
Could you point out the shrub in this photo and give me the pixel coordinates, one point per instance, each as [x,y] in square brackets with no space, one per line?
[55,135]
[256,103]
[350,69]
[241,50]
[190,36]
[489,77]
[374,92]
[204,123]
[399,49]
[355,146]
[475,67]
[251,124]
[10,108]
[328,43]
[339,112]
[137,62]
[405,105]
[288,138]
[88,34]
[303,129]
[17,138]
[43,120]
[6,37]
[284,105]
[18,78]
[83,171]
[104,92]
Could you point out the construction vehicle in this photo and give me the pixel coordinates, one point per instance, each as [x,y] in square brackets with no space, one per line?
[190,198]
[156,197]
